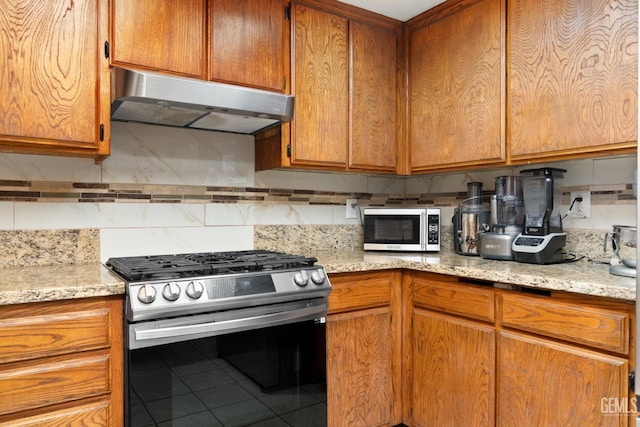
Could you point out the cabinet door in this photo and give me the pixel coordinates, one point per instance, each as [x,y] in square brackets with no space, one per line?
[573,76]
[455,87]
[453,371]
[359,369]
[542,383]
[320,131]
[247,42]
[164,35]
[54,77]
[373,141]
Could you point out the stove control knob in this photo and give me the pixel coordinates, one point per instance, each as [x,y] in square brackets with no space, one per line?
[195,289]
[301,278]
[171,291]
[146,294]
[317,277]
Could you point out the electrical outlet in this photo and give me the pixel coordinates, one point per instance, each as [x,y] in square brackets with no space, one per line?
[581,209]
[352,206]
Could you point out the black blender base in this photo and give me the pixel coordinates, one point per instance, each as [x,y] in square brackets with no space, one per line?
[548,253]
[539,258]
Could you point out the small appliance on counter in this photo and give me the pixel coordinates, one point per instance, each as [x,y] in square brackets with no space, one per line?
[402,229]
[623,243]
[507,217]
[471,217]
[542,237]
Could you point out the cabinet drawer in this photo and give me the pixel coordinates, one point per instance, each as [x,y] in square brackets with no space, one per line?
[56,380]
[93,414]
[446,294]
[51,330]
[592,326]
[352,291]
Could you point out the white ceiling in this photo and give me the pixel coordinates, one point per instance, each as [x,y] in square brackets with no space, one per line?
[402,10]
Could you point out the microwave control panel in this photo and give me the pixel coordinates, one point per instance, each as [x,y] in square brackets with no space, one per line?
[433,229]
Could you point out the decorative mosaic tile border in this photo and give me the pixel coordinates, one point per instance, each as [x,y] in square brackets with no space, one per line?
[78,192]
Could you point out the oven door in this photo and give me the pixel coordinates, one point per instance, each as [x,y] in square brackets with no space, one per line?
[235,368]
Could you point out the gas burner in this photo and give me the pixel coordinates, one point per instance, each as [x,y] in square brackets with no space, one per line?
[180,266]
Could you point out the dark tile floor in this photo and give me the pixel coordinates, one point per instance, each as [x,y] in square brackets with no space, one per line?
[187,385]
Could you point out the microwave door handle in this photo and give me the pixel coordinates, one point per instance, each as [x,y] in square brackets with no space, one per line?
[234,325]
[424,237]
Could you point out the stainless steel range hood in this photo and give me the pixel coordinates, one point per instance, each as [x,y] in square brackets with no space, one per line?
[154,98]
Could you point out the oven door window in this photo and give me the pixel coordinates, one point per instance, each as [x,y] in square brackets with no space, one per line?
[392,229]
[274,375]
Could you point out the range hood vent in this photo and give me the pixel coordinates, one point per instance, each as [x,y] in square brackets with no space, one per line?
[160,99]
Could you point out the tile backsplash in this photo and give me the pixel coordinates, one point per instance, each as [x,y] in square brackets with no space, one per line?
[171,190]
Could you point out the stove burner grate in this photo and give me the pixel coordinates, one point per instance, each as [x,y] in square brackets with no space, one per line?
[154,267]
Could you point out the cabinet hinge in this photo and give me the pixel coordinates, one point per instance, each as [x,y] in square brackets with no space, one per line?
[287,13]
[101,132]
[107,51]
[289,150]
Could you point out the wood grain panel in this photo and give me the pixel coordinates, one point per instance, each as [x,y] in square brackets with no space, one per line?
[455,88]
[161,35]
[373,141]
[51,76]
[247,42]
[541,383]
[572,76]
[56,380]
[363,290]
[595,327]
[453,372]
[49,335]
[359,375]
[93,414]
[446,294]
[320,131]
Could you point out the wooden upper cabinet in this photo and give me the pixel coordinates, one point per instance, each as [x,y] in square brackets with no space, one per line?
[248,40]
[456,95]
[347,66]
[54,77]
[161,35]
[320,60]
[373,137]
[572,77]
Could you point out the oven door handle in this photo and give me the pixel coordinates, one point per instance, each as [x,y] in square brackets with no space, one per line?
[234,325]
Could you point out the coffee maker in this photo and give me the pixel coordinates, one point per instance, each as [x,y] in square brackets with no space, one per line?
[471,217]
[507,217]
[542,236]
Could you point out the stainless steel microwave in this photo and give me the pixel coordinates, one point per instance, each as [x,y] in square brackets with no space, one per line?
[402,229]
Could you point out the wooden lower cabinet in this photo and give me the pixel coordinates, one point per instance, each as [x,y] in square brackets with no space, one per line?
[453,371]
[61,363]
[363,350]
[544,383]
[482,356]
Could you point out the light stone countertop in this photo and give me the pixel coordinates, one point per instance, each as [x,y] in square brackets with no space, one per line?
[582,277]
[25,284]
[49,283]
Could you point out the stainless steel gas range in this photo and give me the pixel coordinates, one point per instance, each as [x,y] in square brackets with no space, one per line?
[224,338]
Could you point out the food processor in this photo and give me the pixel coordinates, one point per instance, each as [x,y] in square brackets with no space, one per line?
[623,243]
[471,217]
[542,237]
[507,216]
